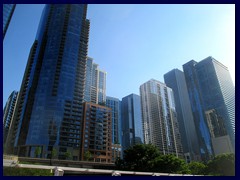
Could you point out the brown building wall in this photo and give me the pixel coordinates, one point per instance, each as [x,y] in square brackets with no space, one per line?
[97,133]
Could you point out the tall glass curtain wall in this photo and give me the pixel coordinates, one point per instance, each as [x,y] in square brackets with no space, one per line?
[52,90]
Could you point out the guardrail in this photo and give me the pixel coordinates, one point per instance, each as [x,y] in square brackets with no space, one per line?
[60,171]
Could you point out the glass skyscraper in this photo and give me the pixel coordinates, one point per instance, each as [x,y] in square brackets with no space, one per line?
[160,126]
[49,108]
[132,132]
[115,105]
[8,113]
[8,10]
[176,81]
[210,88]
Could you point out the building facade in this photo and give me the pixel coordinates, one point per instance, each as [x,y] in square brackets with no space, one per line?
[97,133]
[176,81]
[204,139]
[8,10]
[220,139]
[49,108]
[95,89]
[115,105]
[8,113]
[210,88]
[132,131]
[160,126]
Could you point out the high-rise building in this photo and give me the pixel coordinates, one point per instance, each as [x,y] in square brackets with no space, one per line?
[95,90]
[8,113]
[210,88]
[49,108]
[132,131]
[88,81]
[176,81]
[96,136]
[160,126]
[115,105]
[8,10]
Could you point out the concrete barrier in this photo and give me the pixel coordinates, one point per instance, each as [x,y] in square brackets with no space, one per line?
[58,171]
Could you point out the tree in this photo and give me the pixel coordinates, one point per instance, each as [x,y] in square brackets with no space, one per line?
[54,153]
[68,155]
[139,157]
[170,164]
[120,164]
[197,168]
[222,165]
[37,151]
[87,155]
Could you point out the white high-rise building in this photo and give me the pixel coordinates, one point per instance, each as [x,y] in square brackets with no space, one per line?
[160,126]
[95,84]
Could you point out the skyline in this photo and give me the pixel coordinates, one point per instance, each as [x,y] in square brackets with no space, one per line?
[128,43]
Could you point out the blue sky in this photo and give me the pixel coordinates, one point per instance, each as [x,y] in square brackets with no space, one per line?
[132,43]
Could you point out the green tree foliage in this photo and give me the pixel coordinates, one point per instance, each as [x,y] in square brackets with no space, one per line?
[146,157]
[54,153]
[222,165]
[37,151]
[197,168]
[120,164]
[170,164]
[87,155]
[68,155]
[139,157]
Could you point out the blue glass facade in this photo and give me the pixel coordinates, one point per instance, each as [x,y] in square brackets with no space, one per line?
[210,88]
[49,112]
[218,92]
[131,121]
[88,82]
[115,105]
[8,113]
[8,10]
[204,139]
[176,81]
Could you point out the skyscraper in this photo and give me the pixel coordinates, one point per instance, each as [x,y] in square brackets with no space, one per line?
[160,126]
[8,10]
[115,105]
[8,113]
[95,90]
[131,121]
[49,109]
[88,81]
[210,88]
[176,81]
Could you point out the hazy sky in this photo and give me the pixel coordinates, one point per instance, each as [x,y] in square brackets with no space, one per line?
[132,43]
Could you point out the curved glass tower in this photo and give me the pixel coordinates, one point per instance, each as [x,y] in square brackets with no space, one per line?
[49,109]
